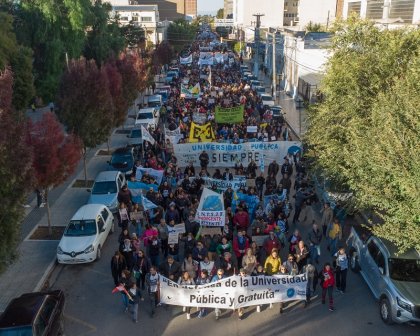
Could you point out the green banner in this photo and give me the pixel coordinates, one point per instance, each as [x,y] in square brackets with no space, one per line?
[229,115]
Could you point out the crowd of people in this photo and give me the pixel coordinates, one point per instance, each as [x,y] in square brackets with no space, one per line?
[144,254]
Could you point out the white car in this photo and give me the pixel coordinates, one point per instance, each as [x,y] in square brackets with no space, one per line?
[147,116]
[267,100]
[85,235]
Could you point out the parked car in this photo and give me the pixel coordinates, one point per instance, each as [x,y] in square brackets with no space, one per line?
[259,90]
[135,137]
[267,99]
[39,313]
[122,159]
[164,93]
[148,116]
[277,113]
[244,68]
[85,235]
[170,76]
[105,189]
[254,83]
[394,279]
[155,101]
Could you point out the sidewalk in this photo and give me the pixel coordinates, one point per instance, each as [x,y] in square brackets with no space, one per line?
[37,258]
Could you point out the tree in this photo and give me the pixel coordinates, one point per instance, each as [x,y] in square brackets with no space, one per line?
[163,53]
[55,155]
[8,44]
[181,33]
[85,104]
[23,85]
[15,172]
[104,39]
[220,13]
[115,83]
[134,35]
[314,27]
[364,135]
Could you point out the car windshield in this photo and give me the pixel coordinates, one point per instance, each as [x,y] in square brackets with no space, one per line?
[104,187]
[78,228]
[135,133]
[154,103]
[404,269]
[121,158]
[266,98]
[143,116]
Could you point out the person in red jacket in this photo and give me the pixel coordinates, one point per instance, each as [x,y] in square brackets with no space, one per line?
[241,220]
[327,283]
[271,242]
[240,245]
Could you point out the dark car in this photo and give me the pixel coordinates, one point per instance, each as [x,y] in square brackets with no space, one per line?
[34,314]
[123,160]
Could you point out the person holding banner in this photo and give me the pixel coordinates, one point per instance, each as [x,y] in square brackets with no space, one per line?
[203,279]
[219,276]
[186,280]
[153,283]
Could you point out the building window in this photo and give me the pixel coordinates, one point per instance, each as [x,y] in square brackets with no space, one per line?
[146,19]
[403,9]
[124,18]
[354,7]
[135,18]
[374,9]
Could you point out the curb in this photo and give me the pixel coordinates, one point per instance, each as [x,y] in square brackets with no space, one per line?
[48,271]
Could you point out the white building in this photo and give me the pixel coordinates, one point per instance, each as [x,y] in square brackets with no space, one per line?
[146,17]
[243,11]
[392,13]
[316,11]
[305,59]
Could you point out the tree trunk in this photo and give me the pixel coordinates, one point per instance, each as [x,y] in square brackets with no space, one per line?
[84,165]
[47,204]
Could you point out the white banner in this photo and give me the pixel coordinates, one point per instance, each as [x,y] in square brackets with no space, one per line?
[235,292]
[226,155]
[185,60]
[252,129]
[146,136]
[174,136]
[174,232]
[211,209]
[235,184]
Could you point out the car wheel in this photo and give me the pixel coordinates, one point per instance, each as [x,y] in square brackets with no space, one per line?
[112,230]
[354,262]
[98,253]
[385,311]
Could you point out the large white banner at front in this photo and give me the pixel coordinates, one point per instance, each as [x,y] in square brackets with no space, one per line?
[235,291]
[226,155]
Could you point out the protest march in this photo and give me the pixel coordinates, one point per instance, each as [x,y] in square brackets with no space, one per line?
[204,217]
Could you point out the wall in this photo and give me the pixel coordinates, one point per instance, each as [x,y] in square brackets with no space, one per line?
[272,10]
[316,11]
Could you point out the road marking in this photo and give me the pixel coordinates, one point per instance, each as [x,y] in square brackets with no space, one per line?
[92,328]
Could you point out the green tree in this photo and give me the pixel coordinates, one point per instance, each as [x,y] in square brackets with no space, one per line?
[220,13]
[104,39]
[8,44]
[15,172]
[181,33]
[134,35]
[23,85]
[366,132]
[314,27]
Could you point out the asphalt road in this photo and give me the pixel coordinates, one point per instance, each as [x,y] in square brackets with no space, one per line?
[91,309]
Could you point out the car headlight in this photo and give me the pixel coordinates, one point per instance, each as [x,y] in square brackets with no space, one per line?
[89,249]
[59,250]
[404,305]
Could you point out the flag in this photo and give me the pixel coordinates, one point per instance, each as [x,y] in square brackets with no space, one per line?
[196,89]
[201,133]
[146,135]
[120,288]
[147,204]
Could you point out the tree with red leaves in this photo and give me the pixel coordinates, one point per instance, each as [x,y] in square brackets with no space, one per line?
[15,171]
[85,104]
[115,84]
[55,154]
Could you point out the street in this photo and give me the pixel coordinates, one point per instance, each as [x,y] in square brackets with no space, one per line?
[91,309]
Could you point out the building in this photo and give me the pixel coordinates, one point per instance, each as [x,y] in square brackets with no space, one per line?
[290,12]
[316,11]
[228,9]
[168,9]
[146,17]
[392,13]
[191,8]
[243,11]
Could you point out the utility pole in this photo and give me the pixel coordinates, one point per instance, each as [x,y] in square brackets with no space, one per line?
[274,84]
[257,43]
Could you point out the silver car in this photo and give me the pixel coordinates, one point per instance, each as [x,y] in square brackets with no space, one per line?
[394,279]
[105,189]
